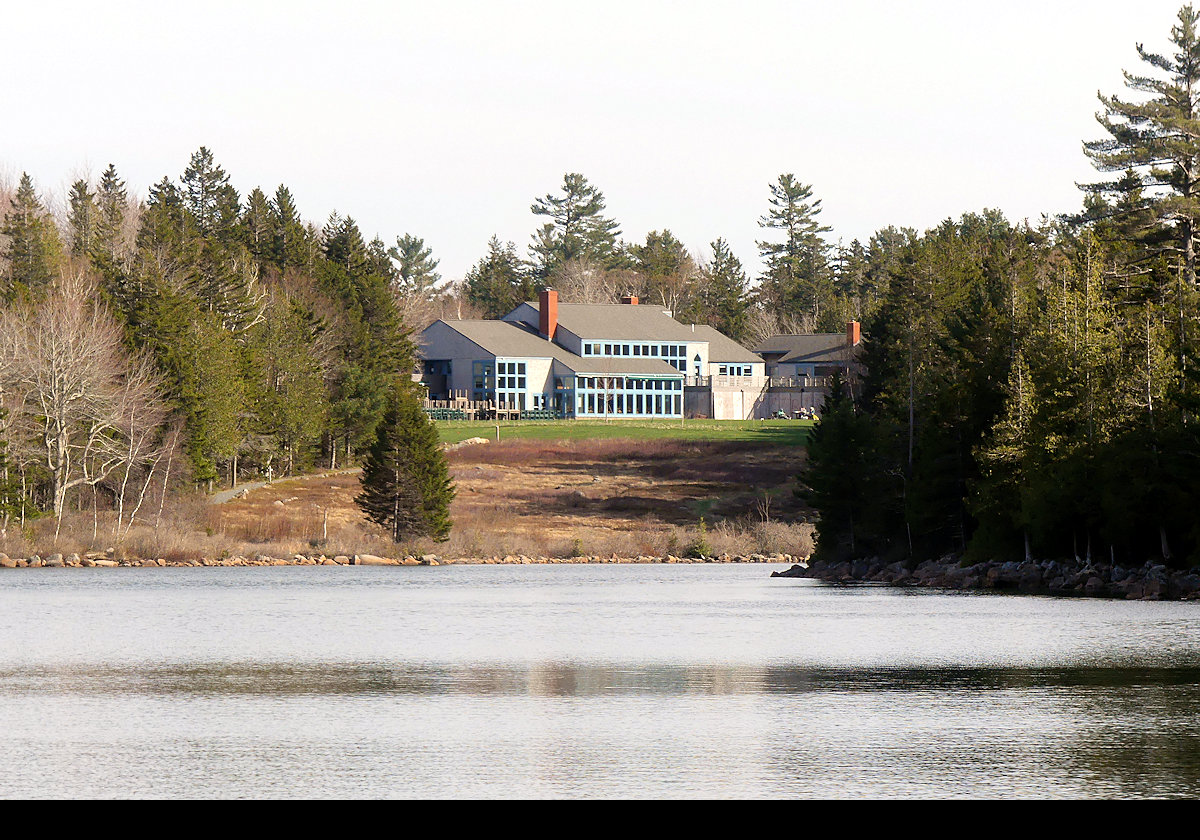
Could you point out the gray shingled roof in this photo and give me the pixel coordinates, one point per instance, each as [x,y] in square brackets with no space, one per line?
[513,340]
[722,348]
[814,347]
[621,322]
[504,338]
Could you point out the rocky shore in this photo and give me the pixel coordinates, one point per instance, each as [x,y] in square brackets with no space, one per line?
[107,559]
[1045,577]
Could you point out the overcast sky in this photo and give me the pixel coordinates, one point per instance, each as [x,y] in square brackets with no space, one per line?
[446,119]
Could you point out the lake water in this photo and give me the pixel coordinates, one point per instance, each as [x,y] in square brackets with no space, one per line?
[582,681]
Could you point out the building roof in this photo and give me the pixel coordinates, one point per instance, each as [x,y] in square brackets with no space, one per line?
[510,339]
[813,347]
[722,348]
[620,322]
[625,365]
[505,338]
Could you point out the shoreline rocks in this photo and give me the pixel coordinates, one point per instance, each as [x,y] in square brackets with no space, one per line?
[1151,582]
[108,560]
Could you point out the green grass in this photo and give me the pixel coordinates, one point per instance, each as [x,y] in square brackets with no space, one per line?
[770,432]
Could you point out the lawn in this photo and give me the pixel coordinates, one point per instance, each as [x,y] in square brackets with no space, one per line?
[769,432]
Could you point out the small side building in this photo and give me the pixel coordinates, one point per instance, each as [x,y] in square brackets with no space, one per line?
[812,356]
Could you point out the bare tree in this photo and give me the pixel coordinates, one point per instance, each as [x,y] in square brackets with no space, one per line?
[88,407]
[582,280]
[762,323]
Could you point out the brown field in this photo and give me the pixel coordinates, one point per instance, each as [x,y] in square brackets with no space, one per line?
[558,499]
[532,497]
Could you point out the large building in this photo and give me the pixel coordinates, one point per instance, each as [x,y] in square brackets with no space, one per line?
[579,360]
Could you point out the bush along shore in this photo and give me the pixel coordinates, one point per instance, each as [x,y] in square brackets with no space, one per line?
[1034,577]
[96,559]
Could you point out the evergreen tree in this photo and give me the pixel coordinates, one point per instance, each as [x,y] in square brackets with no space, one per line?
[577,227]
[416,268]
[209,197]
[406,484]
[289,395]
[290,238]
[33,248]
[257,228]
[1155,144]
[166,226]
[797,275]
[82,219]
[111,202]
[722,294]
[666,269]
[835,478]
[498,282]
[344,245]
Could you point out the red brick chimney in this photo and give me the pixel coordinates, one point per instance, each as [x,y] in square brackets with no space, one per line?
[630,299]
[853,333]
[548,313]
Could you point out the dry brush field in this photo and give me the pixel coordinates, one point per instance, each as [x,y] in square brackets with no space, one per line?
[557,499]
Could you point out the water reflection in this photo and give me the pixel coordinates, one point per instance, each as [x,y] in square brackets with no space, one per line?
[629,681]
[578,679]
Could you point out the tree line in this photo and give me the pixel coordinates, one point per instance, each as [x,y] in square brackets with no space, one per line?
[1033,390]
[267,345]
[807,284]
[194,336]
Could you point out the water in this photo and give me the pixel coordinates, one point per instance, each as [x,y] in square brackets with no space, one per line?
[582,681]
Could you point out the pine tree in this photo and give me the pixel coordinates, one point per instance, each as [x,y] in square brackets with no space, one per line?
[577,227]
[498,282]
[797,275]
[722,298]
[1155,144]
[208,195]
[406,484]
[256,227]
[289,395]
[33,248]
[111,202]
[835,479]
[416,267]
[83,219]
[290,239]
[667,271]
[344,245]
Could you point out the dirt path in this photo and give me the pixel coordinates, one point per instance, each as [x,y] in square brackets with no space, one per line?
[240,491]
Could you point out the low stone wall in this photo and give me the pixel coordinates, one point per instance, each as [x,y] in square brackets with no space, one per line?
[1047,577]
[94,559]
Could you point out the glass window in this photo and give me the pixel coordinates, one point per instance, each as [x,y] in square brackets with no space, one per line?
[607,349]
[637,349]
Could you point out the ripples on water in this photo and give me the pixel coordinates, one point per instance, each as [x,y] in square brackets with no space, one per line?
[558,681]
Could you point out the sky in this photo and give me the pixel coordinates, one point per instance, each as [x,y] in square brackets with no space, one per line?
[447,119]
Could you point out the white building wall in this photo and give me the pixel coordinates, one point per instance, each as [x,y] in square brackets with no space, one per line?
[441,341]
